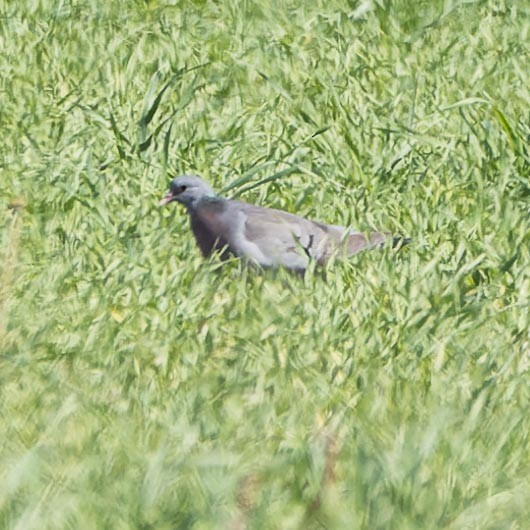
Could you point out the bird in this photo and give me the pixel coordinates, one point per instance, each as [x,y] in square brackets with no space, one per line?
[263,236]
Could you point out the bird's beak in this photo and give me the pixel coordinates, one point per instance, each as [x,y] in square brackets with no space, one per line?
[167,199]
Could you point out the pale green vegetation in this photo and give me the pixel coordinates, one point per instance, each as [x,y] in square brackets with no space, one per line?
[142,387]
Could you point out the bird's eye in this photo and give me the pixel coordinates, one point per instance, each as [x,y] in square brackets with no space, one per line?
[182,188]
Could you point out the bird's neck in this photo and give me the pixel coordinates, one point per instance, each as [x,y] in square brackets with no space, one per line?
[204,202]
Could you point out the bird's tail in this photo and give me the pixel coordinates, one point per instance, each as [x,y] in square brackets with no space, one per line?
[357,241]
[400,241]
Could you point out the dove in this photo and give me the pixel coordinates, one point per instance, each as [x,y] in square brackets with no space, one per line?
[264,236]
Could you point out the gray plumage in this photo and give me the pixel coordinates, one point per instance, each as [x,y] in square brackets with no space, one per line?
[264,236]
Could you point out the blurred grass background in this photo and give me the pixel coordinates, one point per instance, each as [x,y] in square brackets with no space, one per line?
[144,388]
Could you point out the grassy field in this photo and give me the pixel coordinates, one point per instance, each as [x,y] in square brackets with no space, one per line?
[142,387]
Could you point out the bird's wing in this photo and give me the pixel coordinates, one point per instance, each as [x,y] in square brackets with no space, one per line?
[274,237]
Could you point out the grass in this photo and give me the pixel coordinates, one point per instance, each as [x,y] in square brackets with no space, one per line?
[143,387]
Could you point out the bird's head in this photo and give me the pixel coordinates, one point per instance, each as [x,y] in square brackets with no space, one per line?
[188,190]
